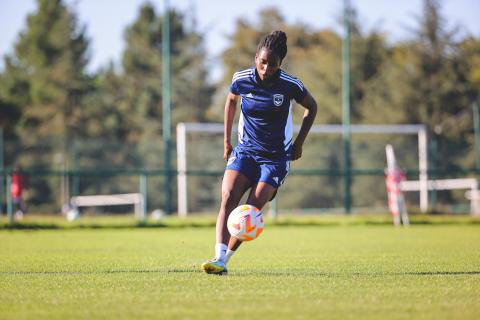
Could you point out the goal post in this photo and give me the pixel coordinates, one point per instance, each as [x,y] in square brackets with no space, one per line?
[183,129]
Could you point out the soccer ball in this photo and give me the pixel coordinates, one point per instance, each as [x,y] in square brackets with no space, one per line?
[245,222]
[73,214]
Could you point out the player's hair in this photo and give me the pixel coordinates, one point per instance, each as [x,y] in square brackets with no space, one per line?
[276,42]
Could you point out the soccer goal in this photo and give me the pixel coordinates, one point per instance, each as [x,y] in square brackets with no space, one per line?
[200,146]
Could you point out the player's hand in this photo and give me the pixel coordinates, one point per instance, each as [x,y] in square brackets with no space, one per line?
[296,151]
[227,150]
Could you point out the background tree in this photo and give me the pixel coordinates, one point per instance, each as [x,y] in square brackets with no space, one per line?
[141,77]
[439,93]
[45,80]
[53,54]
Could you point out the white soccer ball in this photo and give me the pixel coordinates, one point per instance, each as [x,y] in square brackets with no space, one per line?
[73,214]
[245,222]
[158,214]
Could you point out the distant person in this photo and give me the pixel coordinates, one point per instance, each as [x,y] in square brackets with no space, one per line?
[261,159]
[17,188]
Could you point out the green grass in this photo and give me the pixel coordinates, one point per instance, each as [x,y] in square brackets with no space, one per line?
[111,221]
[344,271]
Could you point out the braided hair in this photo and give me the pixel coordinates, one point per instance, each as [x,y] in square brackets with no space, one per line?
[276,42]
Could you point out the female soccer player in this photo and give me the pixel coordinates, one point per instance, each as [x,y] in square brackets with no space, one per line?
[261,159]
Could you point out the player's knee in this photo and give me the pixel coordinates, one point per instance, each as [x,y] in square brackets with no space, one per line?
[226,194]
[229,196]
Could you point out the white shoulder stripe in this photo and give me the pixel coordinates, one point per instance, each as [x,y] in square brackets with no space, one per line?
[287,76]
[299,84]
[238,74]
[241,77]
[241,73]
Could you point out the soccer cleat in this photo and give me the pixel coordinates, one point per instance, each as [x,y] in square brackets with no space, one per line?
[215,266]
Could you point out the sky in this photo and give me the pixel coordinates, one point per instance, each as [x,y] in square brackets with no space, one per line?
[106,20]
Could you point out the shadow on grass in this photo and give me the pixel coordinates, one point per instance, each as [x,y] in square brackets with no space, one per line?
[442,273]
[60,226]
[106,272]
[262,273]
[317,273]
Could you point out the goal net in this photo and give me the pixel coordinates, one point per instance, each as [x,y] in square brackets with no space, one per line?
[315,183]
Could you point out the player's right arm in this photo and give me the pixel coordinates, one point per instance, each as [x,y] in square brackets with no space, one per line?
[230,109]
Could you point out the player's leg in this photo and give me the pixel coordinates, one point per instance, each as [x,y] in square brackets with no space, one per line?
[259,195]
[272,175]
[234,185]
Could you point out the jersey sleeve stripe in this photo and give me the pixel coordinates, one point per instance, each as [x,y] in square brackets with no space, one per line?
[288,144]
[299,84]
[236,75]
[287,76]
[283,73]
[241,77]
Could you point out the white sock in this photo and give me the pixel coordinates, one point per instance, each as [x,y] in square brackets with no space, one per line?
[228,254]
[220,250]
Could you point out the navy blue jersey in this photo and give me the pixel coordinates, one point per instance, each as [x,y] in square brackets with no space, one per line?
[265,124]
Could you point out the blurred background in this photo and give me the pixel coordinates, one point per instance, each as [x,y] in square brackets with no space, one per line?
[91,94]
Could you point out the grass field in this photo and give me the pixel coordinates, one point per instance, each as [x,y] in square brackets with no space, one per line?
[337,271]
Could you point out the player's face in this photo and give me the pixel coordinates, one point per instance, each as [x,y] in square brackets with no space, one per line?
[266,63]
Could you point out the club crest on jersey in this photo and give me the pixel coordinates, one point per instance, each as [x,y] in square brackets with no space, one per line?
[277,99]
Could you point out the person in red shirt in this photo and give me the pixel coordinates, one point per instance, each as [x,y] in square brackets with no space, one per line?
[17,186]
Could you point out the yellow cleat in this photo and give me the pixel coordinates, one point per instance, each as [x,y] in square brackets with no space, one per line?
[215,266]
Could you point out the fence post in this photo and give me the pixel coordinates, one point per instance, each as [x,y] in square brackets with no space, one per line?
[2,169]
[476,126]
[9,199]
[347,197]
[76,169]
[144,192]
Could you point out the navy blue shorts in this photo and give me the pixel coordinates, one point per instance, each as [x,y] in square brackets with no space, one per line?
[258,168]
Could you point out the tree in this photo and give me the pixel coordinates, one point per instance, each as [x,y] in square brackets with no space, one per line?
[141,76]
[439,92]
[47,74]
[43,85]
[470,47]
[142,69]
[14,89]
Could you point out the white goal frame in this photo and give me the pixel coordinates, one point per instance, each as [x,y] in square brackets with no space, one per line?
[217,128]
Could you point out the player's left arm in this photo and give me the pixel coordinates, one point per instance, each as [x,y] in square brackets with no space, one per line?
[310,106]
